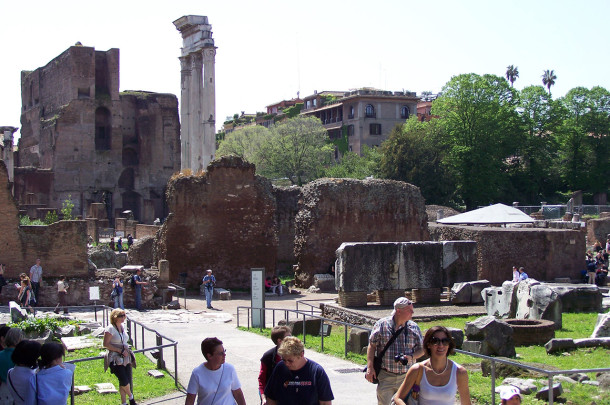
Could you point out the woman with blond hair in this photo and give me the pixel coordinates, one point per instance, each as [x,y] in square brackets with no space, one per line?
[120,358]
[437,379]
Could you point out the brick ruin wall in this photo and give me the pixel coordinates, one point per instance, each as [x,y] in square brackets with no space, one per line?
[544,253]
[62,246]
[598,230]
[287,200]
[333,211]
[224,220]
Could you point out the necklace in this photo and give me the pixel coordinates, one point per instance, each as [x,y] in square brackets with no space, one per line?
[445,369]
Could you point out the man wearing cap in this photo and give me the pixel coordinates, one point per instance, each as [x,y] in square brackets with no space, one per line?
[510,395]
[209,281]
[408,343]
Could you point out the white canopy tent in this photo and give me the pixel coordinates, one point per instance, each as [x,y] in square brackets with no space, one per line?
[494,214]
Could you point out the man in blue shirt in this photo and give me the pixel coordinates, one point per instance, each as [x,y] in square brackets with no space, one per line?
[137,278]
[209,281]
[522,274]
[297,380]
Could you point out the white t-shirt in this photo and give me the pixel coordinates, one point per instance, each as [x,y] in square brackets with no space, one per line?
[117,340]
[205,383]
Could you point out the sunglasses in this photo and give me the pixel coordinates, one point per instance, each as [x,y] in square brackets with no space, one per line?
[436,341]
[121,316]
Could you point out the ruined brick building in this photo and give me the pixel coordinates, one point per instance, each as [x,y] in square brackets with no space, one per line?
[81,139]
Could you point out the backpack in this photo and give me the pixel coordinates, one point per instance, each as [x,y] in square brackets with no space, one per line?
[132,281]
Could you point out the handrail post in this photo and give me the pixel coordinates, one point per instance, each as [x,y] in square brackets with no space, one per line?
[176,363]
[304,329]
[160,360]
[238,316]
[493,381]
[345,341]
[550,389]
[322,335]
[143,344]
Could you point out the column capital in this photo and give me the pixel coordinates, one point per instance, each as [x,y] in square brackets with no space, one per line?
[209,54]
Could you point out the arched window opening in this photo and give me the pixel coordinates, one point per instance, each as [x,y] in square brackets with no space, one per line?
[369,111]
[404,112]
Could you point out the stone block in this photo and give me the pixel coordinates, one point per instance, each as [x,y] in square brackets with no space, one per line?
[17,313]
[468,292]
[325,282]
[77,342]
[222,294]
[312,326]
[473,346]
[81,389]
[458,337]
[559,345]
[105,388]
[604,381]
[357,340]
[543,394]
[579,297]
[132,268]
[525,386]
[602,326]
[499,300]
[459,261]
[121,259]
[173,305]
[497,336]
[155,374]
[592,342]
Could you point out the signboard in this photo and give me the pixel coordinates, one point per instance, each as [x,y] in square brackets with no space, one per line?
[257,283]
[94,293]
[120,234]
[105,233]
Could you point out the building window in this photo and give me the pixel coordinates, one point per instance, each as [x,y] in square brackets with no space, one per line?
[404,112]
[351,112]
[369,112]
[350,130]
[375,129]
[102,129]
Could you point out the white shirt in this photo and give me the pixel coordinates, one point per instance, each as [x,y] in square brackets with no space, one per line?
[209,383]
[36,273]
[117,340]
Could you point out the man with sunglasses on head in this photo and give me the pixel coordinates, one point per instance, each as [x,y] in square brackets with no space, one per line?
[296,379]
[406,347]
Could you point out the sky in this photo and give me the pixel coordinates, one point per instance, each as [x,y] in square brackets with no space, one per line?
[270,50]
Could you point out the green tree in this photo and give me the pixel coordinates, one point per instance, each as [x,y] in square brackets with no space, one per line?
[66,208]
[532,176]
[548,79]
[512,73]
[415,153]
[481,130]
[354,166]
[244,142]
[296,149]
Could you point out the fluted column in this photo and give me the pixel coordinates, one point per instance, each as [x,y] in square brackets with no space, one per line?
[185,113]
[196,127]
[209,106]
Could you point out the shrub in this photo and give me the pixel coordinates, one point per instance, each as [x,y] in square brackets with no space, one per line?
[51,217]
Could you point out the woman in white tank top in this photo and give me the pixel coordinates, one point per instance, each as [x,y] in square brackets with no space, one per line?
[440,378]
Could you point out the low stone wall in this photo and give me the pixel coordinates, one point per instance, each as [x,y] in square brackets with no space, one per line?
[397,266]
[78,290]
[545,253]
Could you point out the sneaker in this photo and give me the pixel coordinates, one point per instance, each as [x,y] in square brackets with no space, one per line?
[132,401]
[210,307]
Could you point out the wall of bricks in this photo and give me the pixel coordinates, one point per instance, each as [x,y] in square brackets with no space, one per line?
[544,253]
[62,246]
[598,230]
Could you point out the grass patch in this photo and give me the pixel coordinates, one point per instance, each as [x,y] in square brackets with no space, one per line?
[575,325]
[92,372]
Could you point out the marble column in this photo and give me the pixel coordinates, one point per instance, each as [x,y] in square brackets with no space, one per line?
[185,143]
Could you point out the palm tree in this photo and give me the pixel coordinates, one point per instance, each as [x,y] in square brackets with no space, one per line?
[512,73]
[548,79]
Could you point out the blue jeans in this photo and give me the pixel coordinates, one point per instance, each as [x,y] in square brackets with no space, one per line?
[138,297]
[118,301]
[209,293]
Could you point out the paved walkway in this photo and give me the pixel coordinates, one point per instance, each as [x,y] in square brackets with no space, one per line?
[244,349]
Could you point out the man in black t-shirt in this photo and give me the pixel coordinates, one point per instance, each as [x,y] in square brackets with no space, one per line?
[297,380]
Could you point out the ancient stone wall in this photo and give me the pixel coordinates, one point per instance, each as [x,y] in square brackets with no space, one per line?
[287,200]
[224,219]
[598,230]
[85,142]
[143,231]
[61,246]
[333,211]
[544,253]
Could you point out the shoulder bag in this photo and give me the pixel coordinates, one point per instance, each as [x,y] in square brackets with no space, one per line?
[378,359]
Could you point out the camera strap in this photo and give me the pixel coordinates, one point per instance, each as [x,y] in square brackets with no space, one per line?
[392,339]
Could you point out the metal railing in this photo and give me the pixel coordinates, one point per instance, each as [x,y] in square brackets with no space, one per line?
[550,374]
[312,308]
[304,314]
[132,330]
[178,289]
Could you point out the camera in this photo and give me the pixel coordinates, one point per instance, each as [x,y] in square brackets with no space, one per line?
[402,358]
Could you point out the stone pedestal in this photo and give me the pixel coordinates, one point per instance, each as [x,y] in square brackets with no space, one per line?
[163,273]
[352,298]
[426,295]
[387,297]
